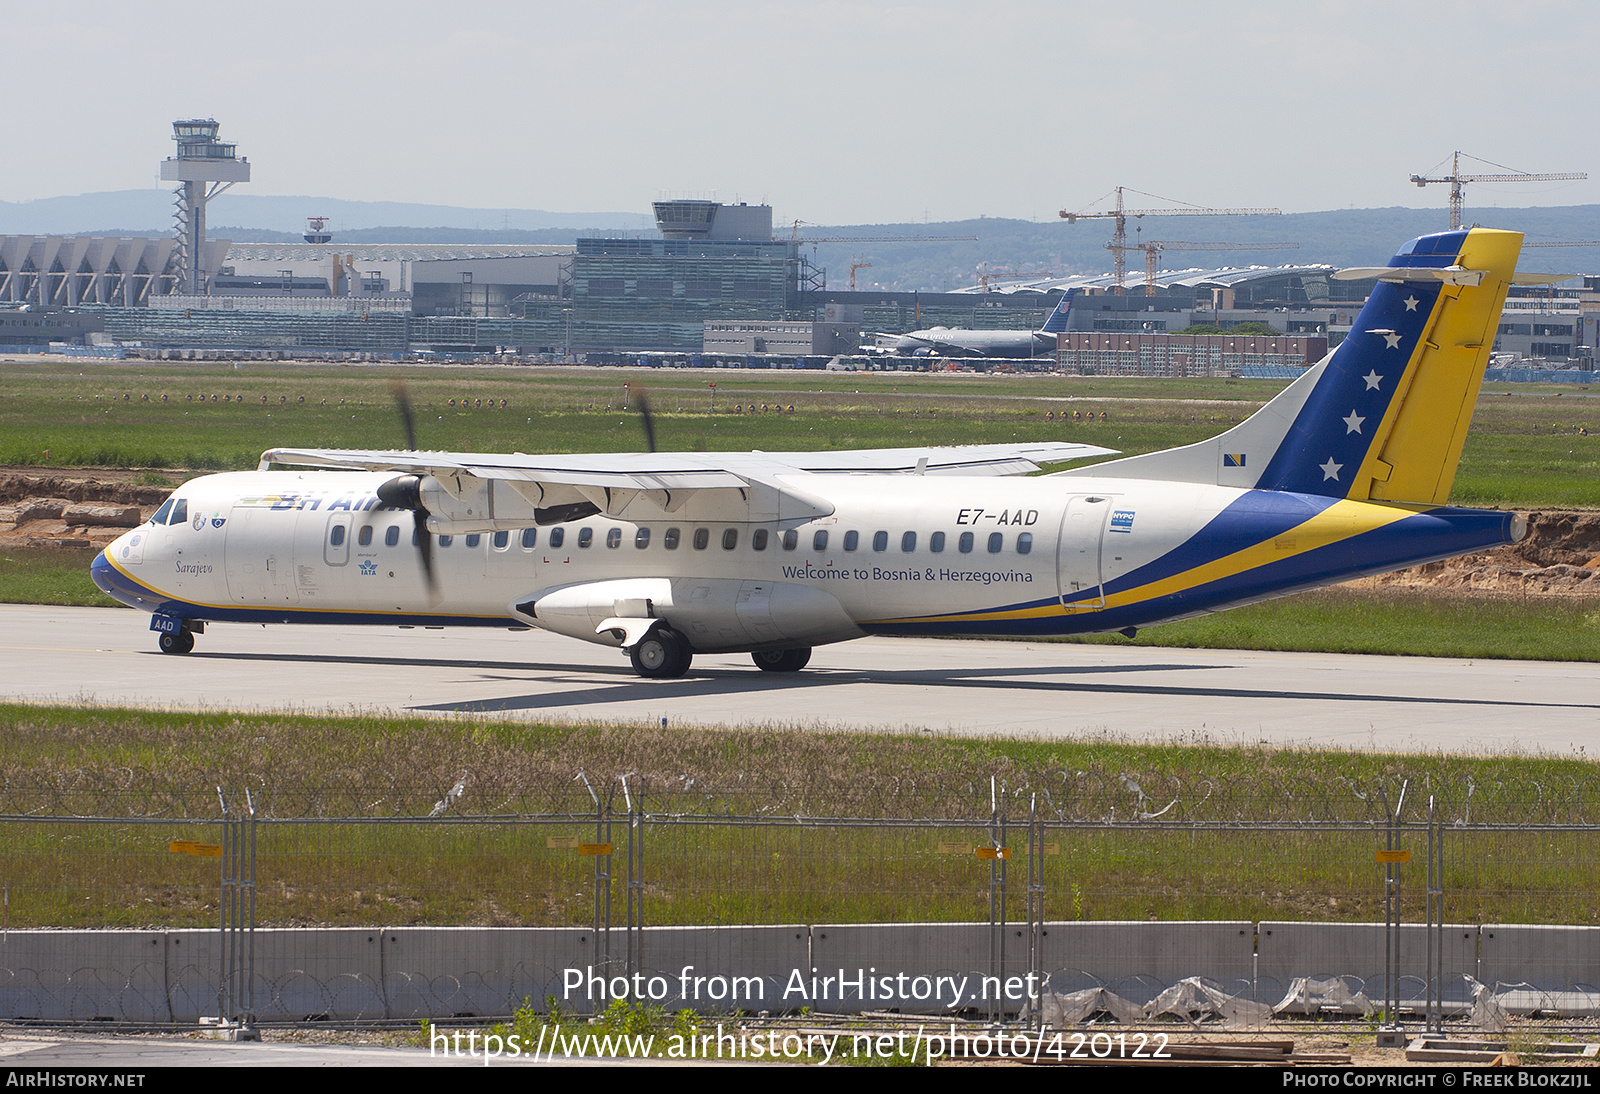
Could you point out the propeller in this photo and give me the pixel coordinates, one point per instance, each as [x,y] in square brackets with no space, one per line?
[405,492]
[647,419]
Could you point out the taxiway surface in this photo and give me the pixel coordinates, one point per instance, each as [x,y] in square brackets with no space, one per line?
[107,657]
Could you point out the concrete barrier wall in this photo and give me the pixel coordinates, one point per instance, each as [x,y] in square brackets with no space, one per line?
[413,973]
[1286,951]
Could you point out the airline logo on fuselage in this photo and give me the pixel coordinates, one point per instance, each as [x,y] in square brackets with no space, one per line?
[1122,520]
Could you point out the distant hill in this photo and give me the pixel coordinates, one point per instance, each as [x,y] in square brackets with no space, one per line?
[1341,237]
[149,211]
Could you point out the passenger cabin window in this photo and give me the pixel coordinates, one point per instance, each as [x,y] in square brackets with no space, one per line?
[964,544]
[364,537]
[670,539]
[502,540]
[819,541]
[880,541]
[161,514]
[391,536]
[530,538]
[936,543]
[908,542]
[791,539]
[474,539]
[1024,543]
[997,540]
[852,540]
[758,540]
[585,537]
[558,536]
[702,538]
[336,535]
[445,541]
[613,538]
[730,538]
[641,538]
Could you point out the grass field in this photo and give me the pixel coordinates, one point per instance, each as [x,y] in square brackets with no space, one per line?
[1524,449]
[1243,832]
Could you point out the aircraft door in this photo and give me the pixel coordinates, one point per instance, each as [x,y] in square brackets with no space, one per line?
[258,555]
[1079,570]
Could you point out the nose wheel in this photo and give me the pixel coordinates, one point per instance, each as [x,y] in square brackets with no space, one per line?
[782,660]
[662,654]
[182,642]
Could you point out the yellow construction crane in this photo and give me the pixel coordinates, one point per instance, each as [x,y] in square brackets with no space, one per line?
[1119,239]
[1457,180]
[1152,248]
[854,266]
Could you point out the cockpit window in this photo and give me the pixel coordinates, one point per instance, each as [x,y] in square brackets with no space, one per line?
[161,514]
[180,511]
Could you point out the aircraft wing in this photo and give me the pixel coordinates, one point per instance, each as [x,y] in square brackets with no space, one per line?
[735,486]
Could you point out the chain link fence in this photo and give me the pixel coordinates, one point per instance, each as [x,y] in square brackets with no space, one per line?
[1076,898]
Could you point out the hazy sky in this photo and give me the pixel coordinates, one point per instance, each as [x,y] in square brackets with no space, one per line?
[834,112]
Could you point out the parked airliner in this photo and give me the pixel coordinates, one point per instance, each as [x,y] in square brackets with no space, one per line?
[959,342]
[664,555]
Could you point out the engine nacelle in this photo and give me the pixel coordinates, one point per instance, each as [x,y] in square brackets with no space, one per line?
[714,614]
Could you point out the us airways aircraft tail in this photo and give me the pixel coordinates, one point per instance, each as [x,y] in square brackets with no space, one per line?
[665,555]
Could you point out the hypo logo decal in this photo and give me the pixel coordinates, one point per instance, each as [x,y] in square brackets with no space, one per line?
[1122,520]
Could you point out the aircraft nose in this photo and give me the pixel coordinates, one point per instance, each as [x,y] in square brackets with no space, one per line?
[100,571]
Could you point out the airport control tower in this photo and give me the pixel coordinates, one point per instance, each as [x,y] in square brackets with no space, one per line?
[206,167]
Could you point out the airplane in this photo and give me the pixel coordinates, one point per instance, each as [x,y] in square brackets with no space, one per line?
[956,342]
[1344,473]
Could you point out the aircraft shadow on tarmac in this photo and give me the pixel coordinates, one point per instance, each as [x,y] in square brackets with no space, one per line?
[706,683]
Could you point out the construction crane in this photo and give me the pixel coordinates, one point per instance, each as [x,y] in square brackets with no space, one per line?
[1152,248]
[1457,180]
[1119,239]
[854,266]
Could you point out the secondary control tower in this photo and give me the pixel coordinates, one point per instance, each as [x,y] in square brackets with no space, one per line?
[206,167]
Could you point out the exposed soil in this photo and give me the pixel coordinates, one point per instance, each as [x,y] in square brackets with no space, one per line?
[90,507]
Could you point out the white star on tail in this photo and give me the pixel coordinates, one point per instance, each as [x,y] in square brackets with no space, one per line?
[1330,470]
[1411,303]
[1352,424]
[1392,341]
[1373,380]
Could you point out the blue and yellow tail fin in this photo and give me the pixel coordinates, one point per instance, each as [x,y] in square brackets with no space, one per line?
[1385,415]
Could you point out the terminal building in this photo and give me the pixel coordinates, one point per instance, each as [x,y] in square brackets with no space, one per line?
[712,282]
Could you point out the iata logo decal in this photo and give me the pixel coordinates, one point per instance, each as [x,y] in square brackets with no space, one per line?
[369,568]
[1122,520]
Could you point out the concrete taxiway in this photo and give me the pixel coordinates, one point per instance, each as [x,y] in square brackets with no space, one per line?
[107,657]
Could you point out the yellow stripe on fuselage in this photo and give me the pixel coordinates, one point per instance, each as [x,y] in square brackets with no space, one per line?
[1340,521]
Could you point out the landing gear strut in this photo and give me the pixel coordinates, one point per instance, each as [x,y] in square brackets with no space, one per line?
[782,660]
[661,654]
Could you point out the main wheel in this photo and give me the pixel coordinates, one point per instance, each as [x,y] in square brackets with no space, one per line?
[182,642]
[782,660]
[661,654]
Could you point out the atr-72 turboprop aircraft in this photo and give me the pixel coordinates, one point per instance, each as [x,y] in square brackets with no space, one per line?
[1344,473]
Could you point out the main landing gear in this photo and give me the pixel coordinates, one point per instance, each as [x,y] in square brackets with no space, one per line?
[661,655]
[181,642]
[782,660]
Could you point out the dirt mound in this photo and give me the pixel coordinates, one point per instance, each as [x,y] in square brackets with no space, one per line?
[73,510]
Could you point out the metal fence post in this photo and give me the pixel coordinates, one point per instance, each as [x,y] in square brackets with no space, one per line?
[1036,909]
[236,1000]
[1435,913]
[634,927]
[1391,907]
[997,895]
